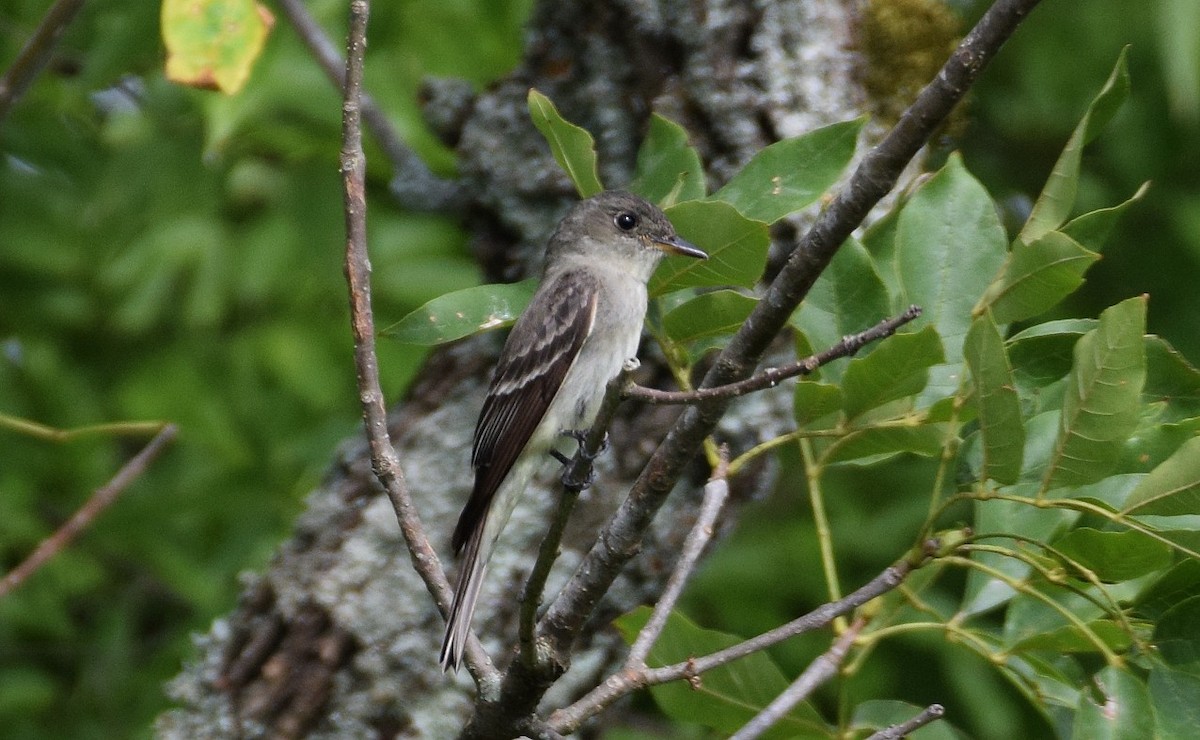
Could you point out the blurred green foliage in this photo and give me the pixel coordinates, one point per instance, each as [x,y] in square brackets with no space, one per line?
[175,255]
[171,254]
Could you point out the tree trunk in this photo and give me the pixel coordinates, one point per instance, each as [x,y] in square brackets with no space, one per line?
[339,638]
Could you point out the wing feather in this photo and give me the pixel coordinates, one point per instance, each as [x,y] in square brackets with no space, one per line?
[539,352]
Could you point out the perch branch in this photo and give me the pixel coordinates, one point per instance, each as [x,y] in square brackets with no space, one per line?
[358,277]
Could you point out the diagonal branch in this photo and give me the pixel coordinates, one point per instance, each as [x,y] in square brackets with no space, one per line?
[36,52]
[823,668]
[906,728]
[358,276]
[82,519]
[772,376]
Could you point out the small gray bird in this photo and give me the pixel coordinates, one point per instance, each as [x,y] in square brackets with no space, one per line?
[582,326]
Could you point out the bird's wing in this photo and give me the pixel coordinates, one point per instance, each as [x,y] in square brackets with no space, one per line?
[540,350]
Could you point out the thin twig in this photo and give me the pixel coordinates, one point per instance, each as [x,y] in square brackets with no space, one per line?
[772,376]
[904,729]
[424,190]
[716,492]
[100,500]
[358,277]
[36,52]
[818,672]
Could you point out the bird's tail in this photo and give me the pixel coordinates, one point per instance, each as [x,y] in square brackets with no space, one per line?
[466,593]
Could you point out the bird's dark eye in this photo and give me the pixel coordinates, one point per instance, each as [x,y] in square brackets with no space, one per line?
[625,221]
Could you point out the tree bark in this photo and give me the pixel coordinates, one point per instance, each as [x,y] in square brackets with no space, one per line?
[339,638]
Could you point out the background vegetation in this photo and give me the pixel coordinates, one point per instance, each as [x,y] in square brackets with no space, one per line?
[175,255]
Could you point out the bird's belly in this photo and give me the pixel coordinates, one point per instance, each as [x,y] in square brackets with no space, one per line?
[600,360]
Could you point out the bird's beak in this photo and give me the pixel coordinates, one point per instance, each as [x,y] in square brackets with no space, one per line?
[681,247]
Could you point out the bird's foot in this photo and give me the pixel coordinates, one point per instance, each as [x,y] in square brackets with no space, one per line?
[580,437]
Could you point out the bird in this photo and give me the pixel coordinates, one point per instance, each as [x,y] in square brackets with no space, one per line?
[582,326]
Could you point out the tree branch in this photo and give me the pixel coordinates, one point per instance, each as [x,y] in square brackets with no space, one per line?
[358,277]
[413,182]
[904,729]
[772,376]
[36,52]
[100,500]
[818,672]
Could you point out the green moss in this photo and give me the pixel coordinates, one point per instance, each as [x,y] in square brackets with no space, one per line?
[904,43]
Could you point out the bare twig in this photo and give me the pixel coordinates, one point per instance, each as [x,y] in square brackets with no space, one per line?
[630,679]
[904,729]
[818,672]
[100,500]
[36,52]
[716,491]
[358,274]
[422,190]
[772,376]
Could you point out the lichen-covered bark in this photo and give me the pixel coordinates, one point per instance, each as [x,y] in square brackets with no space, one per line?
[338,638]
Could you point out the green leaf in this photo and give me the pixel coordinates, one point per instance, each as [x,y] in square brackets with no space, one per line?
[1092,228]
[1179,583]
[949,247]
[1042,354]
[847,298]
[1177,636]
[1054,205]
[572,146]
[1171,378]
[668,169]
[724,698]
[897,368]
[1103,396]
[1171,489]
[875,444]
[880,242]
[708,314]
[1000,425]
[736,247]
[1037,276]
[1175,696]
[1123,711]
[462,313]
[1115,556]
[790,174]
[1068,638]
[213,44]
[813,400]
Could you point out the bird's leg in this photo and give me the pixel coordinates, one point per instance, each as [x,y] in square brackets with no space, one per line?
[580,436]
